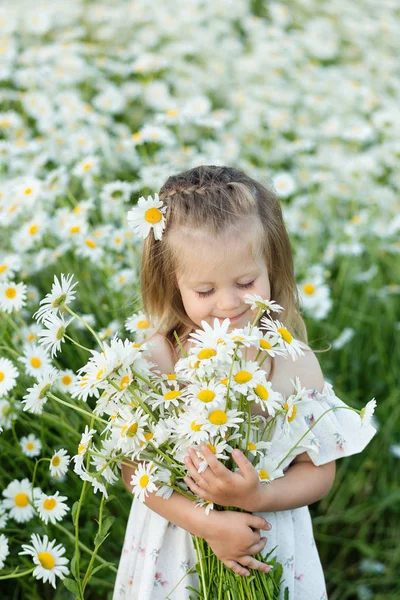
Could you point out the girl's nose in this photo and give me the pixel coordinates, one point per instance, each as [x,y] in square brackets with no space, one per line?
[228,300]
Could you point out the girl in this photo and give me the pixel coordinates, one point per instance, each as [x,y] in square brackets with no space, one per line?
[225,238]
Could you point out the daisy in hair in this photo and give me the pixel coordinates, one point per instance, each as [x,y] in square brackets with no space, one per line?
[8,376]
[282,336]
[61,294]
[12,296]
[148,215]
[59,463]
[51,508]
[30,445]
[48,558]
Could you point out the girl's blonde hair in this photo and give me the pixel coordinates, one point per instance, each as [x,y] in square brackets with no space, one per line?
[215,198]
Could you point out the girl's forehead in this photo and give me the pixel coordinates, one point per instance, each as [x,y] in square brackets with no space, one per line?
[204,257]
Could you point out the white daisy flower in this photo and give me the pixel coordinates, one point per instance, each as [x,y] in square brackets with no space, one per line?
[143,481]
[280,334]
[211,336]
[166,399]
[48,558]
[256,448]
[51,508]
[7,413]
[35,359]
[315,295]
[18,500]
[140,325]
[263,395]
[129,429]
[53,335]
[94,480]
[4,551]
[246,375]
[12,296]
[205,504]
[9,265]
[267,470]
[165,476]
[367,412]
[220,420]
[205,394]
[116,190]
[86,438]
[8,376]
[3,515]
[257,301]
[87,167]
[59,463]
[36,397]
[31,446]
[284,184]
[66,380]
[267,344]
[146,215]
[190,425]
[61,294]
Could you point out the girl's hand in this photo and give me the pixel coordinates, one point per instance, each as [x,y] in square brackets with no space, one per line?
[217,484]
[234,537]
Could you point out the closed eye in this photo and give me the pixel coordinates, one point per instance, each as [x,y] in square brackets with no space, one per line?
[242,286]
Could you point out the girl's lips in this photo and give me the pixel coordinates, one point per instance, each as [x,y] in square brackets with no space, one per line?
[232,319]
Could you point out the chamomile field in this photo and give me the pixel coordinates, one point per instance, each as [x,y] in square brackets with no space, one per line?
[100,102]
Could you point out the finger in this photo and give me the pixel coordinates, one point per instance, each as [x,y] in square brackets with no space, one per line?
[196,489]
[243,463]
[236,567]
[253,563]
[258,547]
[256,522]
[215,465]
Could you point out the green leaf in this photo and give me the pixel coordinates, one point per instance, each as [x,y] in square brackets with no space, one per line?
[75,567]
[74,510]
[102,566]
[101,535]
[71,586]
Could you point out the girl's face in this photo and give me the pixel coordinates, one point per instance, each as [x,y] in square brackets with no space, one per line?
[217,272]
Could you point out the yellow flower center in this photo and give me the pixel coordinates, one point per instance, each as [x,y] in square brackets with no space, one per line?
[21,500]
[11,293]
[261,391]
[28,191]
[251,446]
[172,395]
[36,362]
[47,560]
[206,353]
[194,426]
[67,379]
[143,324]
[124,382]
[30,446]
[218,417]
[33,229]
[264,345]
[243,376]
[294,411]
[81,448]
[87,166]
[171,376]
[206,396]
[173,112]
[263,474]
[1,376]
[153,215]
[285,334]
[212,448]
[49,503]
[224,381]
[143,481]
[90,243]
[3,268]
[100,374]
[74,229]
[309,289]
[55,461]
[132,430]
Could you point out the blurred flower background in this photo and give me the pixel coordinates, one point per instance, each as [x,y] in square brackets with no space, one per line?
[99,104]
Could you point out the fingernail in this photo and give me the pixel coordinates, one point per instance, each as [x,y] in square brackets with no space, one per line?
[268,527]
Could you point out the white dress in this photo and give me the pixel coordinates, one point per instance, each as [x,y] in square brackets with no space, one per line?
[156,554]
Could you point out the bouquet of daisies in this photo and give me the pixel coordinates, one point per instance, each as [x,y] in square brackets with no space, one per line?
[217,401]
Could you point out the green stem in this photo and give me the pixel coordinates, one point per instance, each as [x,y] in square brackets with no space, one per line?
[96,549]
[83,547]
[71,312]
[76,343]
[15,574]
[77,408]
